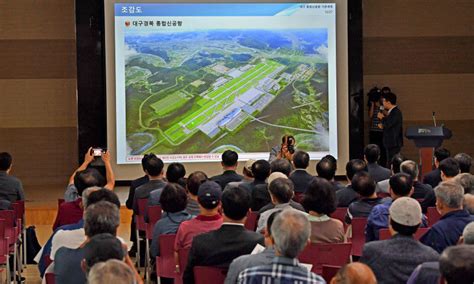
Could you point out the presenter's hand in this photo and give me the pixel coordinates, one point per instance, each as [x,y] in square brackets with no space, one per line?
[88,157]
[380,116]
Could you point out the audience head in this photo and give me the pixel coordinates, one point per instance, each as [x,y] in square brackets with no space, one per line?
[466,180]
[291,230]
[301,160]
[247,170]
[173,198]
[101,217]
[469,203]
[354,273]
[410,168]
[326,168]
[449,168]
[274,176]
[85,195]
[282,166]
[175,172]
[363,184]
[456,264]
[5,161]
[405,216]
[153,166]
[88,178]
[281,190]
[389,100]
[372,153]
[464,161]
[319,197]
[441,154]
[400,185]
[102,247]
[101,194]
[235,204]
[468,234]
[111,271]
[395,163]
[194,180]
[261,170]
[354,166]
[229,159]
[209,194]
[268,229]
[449,197]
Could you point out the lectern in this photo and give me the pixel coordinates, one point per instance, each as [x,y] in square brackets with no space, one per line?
[427,138]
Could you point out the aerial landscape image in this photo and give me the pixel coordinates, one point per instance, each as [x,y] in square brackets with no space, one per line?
[206,91]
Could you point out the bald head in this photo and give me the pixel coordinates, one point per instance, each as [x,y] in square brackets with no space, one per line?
[469,203]
[354,273]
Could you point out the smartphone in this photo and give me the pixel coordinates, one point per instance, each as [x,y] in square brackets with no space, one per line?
[97,152]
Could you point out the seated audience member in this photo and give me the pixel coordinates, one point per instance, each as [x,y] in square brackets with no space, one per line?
[449,169]
[364,185]
[71,212]
[464,161]
[320,201]
[291,231]
[71,193]
[193,182]
[175,174]
[281,165]
[326,168]
[394,260]
[428,272]
[281,192]
[271,205]
[449,203]
[231,240]
[229,165]
[251,260]
[354,273]
[457,264]
[300,177]
[11,188]
[258,187]
[247,177]
[111,271]
[209,198]
[420,190]
[100,248]
[347,195]
[155,183]
[395,163]
[372,156]
[129,203]
[466,180]
[469,203]
[433,178]
[173,202]
[101,217]
[400,185]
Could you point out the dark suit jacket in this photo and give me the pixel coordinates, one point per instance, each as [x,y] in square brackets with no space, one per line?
[420,190]
[377,172]
[346,196]
[220,247]
[133,186]
[226,177]
[259,195]
[433,178]
[301,180]
[393,129]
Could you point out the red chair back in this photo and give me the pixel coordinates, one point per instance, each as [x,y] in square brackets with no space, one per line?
[49,278]
[3,242]
[209,275]
[165,263]
[318,254]
[433,216]
[140,218]
[358,235]
[384,234]
[60,201]
[251,221]
[329,271]
[154,214]
[339,214]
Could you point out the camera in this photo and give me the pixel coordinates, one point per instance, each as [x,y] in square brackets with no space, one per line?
[373,95]
[289,141]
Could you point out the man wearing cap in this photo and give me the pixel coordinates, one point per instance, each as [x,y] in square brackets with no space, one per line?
[394,260]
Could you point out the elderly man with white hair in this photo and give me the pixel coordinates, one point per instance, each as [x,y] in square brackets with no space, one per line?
[291,231]
[449,203]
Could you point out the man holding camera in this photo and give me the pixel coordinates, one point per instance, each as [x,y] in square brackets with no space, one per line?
[392,125]
[285,150]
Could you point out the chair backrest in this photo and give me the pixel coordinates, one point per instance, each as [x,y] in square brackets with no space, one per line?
[318,254]
[384,234]
[183,255]
[339,214]
[358,235]
[209,275]
[165,263]
[329,271]
[142,205]
[3,243]
[433,216]
[140,218]
[251,221]
[60,201]
[49,278]
[19,207]
[154,214]
[9,216]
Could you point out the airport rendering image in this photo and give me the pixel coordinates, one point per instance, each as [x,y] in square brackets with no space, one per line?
[207,91]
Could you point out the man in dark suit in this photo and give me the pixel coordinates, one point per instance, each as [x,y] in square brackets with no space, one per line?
[372,156]
[433,178]
[347,195]
[326,168]
[300,177]
[220,247]
[392,125]
[229,164]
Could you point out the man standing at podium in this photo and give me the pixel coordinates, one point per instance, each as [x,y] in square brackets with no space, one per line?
[392,125]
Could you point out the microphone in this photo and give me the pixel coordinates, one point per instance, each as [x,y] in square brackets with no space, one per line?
[434,118]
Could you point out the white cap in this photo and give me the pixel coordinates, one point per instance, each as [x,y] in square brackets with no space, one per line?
[406,211]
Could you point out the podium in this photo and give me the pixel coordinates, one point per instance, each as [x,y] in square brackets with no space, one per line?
[426,139]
